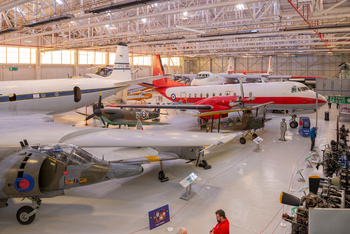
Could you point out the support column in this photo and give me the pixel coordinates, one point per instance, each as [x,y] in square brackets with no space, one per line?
[75,69]
[38,65]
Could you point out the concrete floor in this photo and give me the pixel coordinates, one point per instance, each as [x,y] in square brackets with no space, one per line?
[246,184]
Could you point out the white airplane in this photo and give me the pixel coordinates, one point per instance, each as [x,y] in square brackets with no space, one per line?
[291,96]
[53,96]
[230,77]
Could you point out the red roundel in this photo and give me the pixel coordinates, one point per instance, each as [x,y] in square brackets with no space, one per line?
[24,184]
[300,122]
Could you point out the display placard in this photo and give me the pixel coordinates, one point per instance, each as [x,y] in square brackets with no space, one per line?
[158,217]
[188,180]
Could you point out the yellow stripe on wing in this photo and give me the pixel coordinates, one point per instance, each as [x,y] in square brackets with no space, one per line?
[152,158]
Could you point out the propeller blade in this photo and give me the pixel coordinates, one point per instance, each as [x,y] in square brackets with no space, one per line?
[104,124]
[241,86]
[289,199]
[89,117]
[99,102]
[314,183]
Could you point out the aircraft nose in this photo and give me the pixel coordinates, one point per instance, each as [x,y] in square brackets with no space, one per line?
[322,100]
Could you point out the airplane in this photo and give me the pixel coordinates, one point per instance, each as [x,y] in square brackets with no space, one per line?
[122,116]
[209,78]
[45,171]
[60,157]
[292,96]
[53,96]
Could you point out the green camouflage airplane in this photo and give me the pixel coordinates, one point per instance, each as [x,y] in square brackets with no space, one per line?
[45,171]
[127,117]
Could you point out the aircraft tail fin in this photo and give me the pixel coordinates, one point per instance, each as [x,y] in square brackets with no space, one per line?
[269,69]
[158,69]
[121,69]
[165,82]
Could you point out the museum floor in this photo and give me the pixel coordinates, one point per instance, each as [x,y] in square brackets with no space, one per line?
[246,184]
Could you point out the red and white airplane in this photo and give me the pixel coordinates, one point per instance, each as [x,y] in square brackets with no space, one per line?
[220,99]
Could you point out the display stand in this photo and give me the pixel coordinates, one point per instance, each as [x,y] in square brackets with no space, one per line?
[258,140]
[187,183]
[302,179]
[303,190]
[308,160]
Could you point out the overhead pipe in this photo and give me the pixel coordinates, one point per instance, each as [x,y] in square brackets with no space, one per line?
[307,21]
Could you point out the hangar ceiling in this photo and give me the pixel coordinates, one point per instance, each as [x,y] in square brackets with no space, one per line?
[181,27]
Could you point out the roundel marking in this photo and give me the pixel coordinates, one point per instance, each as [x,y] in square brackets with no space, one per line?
[224,125]
[143,114]
[173,96]
[25,184]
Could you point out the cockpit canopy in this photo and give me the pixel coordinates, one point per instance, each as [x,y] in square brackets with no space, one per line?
[67,154]
[203,75]
[299,88]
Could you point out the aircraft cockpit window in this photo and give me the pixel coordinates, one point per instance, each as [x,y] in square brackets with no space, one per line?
[303,89]
[299,90]
[294,89]
[58,152]
[80,156]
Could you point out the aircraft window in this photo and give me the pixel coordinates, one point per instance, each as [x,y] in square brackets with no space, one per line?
[189,95]
[207,75]
[58,152]
[201,95]
[213,94]
[207,95]
[12,97]
[80,156]
[77,94]
[227,93]
[294,89]
[234,94]
[195,95]
[299,90]
[303,89]
[220,94]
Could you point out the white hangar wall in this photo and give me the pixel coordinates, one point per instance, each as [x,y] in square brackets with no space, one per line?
[327,66]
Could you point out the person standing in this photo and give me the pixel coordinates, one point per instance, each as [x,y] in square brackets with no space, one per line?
[182,230]
[223,225]
[283,127]
[313,134]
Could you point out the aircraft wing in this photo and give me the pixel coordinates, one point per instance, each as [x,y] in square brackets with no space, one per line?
[100,137]
[158,156]
[230,111]
[140,80]
[182,107]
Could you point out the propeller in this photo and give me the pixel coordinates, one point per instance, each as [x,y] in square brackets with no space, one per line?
[98,111]
[241,86]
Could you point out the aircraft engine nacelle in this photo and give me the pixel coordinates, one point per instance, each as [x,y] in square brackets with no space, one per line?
[22,180]
[32,174]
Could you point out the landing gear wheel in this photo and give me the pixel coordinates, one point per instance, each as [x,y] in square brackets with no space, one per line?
[205,165]
[161,176]
[293,124]
[255,135]
[22,215]
[242,140]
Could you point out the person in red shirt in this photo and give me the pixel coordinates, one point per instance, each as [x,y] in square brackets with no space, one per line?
[223,226]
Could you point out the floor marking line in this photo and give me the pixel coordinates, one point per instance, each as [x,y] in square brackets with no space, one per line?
[206,182]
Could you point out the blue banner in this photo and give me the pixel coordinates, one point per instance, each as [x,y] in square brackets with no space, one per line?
[158,217]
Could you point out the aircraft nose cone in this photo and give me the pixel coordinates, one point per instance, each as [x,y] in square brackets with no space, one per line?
[125,170]
[322,100]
